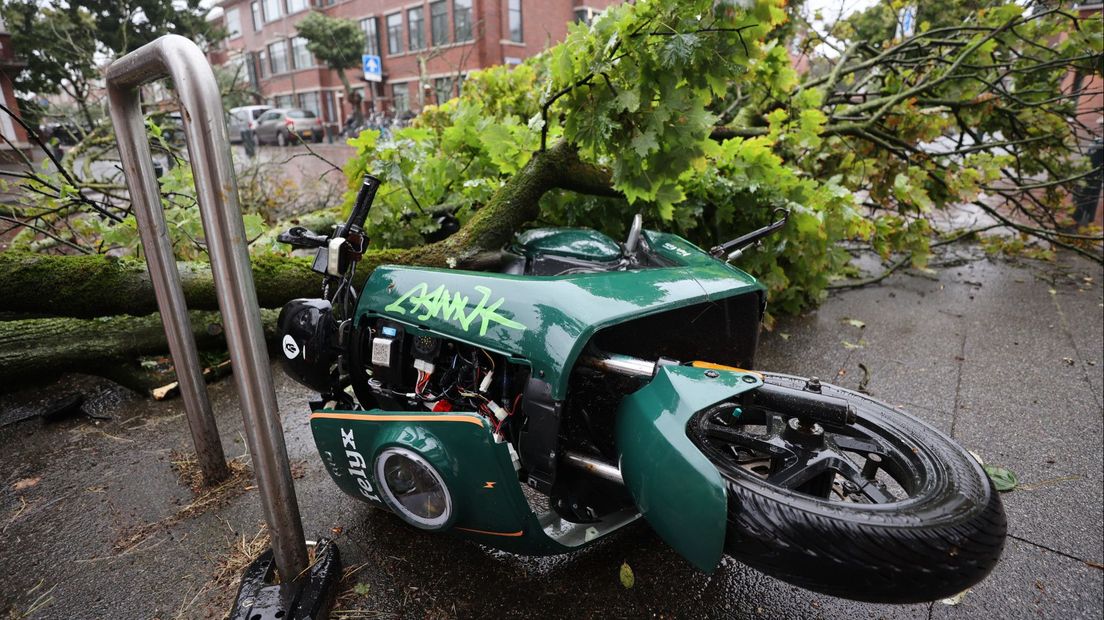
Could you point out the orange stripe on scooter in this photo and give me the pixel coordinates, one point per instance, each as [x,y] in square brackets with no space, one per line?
[700,364]
[511,534]
[399,418]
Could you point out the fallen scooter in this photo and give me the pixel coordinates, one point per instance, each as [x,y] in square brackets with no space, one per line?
[580,384]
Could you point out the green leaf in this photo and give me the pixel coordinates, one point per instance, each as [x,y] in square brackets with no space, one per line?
[666,197]
[254,225]
[1003,479]
[362,589]
[627,577]
[645,143]
[854,323]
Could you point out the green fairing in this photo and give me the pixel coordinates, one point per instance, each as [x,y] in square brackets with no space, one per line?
[674,485]
[581,243]
[546,322]
[466,456]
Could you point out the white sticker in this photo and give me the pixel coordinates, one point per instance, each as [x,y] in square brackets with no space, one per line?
[291,349]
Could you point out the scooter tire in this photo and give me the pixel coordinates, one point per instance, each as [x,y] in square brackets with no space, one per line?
[933,545]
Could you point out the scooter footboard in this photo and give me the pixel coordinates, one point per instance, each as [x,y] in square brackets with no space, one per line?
[674,485]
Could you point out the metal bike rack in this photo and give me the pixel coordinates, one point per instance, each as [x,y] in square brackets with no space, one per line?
[217,193]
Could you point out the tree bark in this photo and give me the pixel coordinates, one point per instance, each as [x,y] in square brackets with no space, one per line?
[33,348]
[97,285]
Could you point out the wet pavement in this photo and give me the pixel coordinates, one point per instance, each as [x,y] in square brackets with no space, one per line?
[1006,357]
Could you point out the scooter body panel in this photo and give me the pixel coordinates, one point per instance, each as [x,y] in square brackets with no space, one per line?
[674,485]
[546,321]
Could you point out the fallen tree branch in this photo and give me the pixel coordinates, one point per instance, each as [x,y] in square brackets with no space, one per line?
[98,285]
[904,260]
[36,348]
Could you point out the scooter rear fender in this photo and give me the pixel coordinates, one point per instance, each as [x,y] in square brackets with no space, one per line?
[674,485]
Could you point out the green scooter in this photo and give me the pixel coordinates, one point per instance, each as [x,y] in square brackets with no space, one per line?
[580,384]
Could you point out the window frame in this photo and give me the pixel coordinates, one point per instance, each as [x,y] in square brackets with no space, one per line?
[289,11]
[282,44]
[437,83]
[465,12]
[294,57]
[371,40]
[411,30]
[439,36]
[268,19]
[398,30]
[514,7]
[257,15]
[230,33]
[404,88]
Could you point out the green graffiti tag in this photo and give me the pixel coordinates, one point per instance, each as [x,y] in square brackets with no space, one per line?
[452,307]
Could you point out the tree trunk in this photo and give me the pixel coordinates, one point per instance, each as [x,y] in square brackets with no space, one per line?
[91,286]
[350,96]
[33,348]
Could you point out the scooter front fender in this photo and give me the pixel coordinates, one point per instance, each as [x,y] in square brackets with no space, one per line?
[674,485]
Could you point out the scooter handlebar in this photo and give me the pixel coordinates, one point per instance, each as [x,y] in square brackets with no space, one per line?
[365,197]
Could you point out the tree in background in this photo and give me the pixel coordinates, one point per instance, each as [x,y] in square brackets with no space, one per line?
[64,43]
[339,44]
[59,47]
[125,26]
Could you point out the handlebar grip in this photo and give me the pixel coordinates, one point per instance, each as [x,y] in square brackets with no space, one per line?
[300,237]
[365,197]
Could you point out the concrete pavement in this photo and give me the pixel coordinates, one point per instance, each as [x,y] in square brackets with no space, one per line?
[1006,357]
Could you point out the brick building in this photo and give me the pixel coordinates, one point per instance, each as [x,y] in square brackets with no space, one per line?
[15,137]
[427,47]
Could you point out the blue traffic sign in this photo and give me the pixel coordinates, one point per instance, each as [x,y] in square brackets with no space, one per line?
[373,68]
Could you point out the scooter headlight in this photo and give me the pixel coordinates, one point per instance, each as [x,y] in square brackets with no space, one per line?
[413,488]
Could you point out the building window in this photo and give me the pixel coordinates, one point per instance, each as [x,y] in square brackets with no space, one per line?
[513,19]
[371,35]
[394,34]
[400,97]
[258,22]
[294,6]
[586,15]
[311,102]
[442,89]
[301,58]
[233,23]
[462,20]
[262,62]
[271,10]
[438,22]
[415,23]
[283,101]
[277,57]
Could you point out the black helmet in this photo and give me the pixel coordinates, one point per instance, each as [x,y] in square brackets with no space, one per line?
[308,342]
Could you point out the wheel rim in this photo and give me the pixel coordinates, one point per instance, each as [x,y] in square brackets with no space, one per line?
[866,463]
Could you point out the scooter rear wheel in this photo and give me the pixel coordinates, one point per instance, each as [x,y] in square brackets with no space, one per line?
[887,509]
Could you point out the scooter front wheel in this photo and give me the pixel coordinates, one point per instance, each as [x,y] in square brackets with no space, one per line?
[882,509]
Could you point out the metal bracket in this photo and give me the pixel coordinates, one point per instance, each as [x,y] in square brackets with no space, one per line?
[208,144]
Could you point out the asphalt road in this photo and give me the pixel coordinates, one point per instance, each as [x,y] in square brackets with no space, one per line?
[1006,357]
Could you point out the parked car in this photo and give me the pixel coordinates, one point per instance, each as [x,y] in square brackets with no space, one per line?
[279,125]
[243,118]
